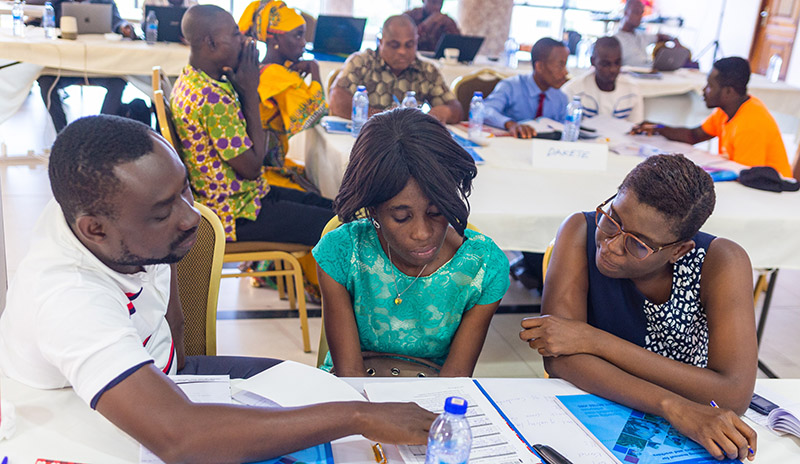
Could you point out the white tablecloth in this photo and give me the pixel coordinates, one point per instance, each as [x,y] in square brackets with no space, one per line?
[56,424]
[521,207]
[92,54]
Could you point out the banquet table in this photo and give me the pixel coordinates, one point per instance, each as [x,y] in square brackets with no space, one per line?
[89,55]
[57,424]
[673,98]
[521,206]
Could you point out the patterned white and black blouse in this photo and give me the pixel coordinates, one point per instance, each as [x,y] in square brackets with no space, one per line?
[676,329]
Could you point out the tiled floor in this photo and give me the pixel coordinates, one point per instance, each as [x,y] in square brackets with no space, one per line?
[25,191]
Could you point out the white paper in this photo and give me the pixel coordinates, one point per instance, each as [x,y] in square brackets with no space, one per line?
[493,440]
[541,419]
[293,384]
[199,389]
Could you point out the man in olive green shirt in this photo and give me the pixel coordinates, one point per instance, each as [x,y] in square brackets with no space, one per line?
[390,72]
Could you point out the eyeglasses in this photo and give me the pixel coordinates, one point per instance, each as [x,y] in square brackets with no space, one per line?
[633,244]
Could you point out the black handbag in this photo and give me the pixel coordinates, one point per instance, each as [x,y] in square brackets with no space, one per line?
[397,365]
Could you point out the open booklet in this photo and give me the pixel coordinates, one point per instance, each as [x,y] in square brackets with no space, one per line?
[269,389]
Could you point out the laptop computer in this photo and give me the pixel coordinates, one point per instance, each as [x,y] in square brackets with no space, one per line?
[671,58]
[92,18]
[338,34]
[467,46]
[169,22]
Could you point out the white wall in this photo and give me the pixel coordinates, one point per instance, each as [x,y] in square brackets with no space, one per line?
[700,26]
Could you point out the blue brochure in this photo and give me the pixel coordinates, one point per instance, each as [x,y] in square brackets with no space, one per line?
[320,454]
[635,437]
[335,126]
[469,146]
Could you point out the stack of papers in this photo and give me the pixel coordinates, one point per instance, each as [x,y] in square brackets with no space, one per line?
[785,419]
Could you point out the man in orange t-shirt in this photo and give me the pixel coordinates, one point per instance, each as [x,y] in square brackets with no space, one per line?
[747,133]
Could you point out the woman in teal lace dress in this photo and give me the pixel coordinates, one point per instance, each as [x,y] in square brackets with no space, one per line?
[410,278]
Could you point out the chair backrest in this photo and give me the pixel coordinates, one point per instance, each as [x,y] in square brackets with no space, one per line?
[165,121]
[311,26]
[198,285]
[322,351]
[331,79]
[548,253]
[796,171]
[161,81]
[482,80]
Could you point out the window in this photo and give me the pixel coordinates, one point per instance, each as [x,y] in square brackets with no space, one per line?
[376,13]
[533,20]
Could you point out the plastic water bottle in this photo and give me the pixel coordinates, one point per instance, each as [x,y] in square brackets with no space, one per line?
[151,28]
[572,124]
[510,50]
[583,52]
[18,13]
[774,68]
[49,21]
[476,116]
[410,100]
[360,109]
[450,439]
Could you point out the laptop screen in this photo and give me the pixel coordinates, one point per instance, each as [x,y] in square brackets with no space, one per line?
[92,18]
[169,21]
[339,34]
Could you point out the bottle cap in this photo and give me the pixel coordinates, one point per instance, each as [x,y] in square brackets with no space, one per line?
[455,405]
[477,94]
[360,88]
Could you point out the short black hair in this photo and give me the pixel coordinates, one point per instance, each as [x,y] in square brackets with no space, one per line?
[395,146]
[606,42]
[542,48]
[83,158]
[676,187]
[733,72]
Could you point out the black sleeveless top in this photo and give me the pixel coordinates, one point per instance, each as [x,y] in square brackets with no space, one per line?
[676,329]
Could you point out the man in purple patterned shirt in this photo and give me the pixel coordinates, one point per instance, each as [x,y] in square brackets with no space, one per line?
[215,108]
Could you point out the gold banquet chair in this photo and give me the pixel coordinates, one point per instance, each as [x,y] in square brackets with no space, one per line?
[483,80]
[331,79]
[198,285]
[287,270]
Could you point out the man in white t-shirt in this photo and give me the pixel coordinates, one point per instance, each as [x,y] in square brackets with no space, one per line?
[94,305]
[603,91]
[634,43]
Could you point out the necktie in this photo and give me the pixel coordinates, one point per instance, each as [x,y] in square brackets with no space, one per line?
[540,108]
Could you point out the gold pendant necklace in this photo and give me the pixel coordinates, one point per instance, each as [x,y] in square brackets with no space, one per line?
[397,299]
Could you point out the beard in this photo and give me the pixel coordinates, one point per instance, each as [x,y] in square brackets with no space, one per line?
[128,258]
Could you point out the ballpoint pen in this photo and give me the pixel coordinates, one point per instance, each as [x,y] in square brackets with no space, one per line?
[550,455]
[714,405]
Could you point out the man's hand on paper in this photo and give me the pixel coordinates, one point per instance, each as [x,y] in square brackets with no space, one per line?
[720,431]
[396,423]
[558,336]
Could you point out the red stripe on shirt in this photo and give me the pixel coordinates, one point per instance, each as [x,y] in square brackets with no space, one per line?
[171,357]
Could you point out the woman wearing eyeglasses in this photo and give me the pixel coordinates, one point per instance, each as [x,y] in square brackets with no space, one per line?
[642,308]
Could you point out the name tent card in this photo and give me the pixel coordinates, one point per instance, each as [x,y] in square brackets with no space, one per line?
[569,156]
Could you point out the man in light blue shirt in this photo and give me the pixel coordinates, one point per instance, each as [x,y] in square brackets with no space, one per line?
[525,97]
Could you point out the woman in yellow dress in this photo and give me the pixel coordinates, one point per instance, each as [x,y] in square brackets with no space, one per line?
[288,104]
